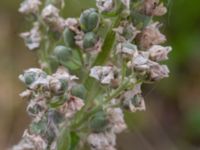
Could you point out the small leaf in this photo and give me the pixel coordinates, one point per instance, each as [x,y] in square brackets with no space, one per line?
[64,140]
[74,141]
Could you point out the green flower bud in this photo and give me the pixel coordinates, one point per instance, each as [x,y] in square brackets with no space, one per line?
[69,37]
[79,91]
[89,40]
[99,122]
[62,53]
[89,20]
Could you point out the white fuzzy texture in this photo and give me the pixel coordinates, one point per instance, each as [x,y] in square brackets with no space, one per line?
[105,5]
[159,53]
[116,120]
[29,6]
[104,74]
[102,141]
[32,38]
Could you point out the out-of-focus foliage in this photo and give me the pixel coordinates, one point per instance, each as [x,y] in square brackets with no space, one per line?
[172,119]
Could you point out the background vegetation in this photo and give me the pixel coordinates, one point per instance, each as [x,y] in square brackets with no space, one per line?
[172,119]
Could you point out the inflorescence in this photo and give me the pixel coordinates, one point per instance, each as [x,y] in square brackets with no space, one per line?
[91,71]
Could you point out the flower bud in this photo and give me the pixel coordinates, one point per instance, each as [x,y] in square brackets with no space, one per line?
[89,40]
[89,20]
[62,53]
[69,37]
[79,91]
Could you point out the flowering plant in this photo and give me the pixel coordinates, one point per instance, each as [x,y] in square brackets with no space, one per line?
[92,69]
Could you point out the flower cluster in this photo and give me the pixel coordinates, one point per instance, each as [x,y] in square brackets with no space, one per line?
[92,70]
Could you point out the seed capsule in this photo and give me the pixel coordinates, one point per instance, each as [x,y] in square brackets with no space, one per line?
[29,77]
[62,53]
[79,91]
[69,37]
[99,122]
[89,20]
[89,40]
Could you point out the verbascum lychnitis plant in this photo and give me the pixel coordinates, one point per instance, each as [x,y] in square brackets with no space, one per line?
[91,71]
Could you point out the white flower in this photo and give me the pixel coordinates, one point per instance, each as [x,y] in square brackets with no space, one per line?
[104,5]
[32,38]
[105,74]
[50,14]
[102,141]
[159,53]
[116,120]
[29,6]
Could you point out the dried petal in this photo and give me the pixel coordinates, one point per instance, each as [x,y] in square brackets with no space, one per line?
[32,38]
[151,36]
[159,53]
[102,141]
[29,6]
[105,5]
[104,74]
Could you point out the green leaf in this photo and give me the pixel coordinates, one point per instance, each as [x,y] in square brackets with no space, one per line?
[68,140]
[64,140]
[74,141]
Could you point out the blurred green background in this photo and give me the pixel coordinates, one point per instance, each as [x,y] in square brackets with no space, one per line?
[172,119]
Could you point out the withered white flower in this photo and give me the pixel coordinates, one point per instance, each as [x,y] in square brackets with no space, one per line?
[55,85]
[25,94]
[126,32]
[159,53]
[31,141]
[133,99]
[70,107]
[140,62]
[29,6]
[62,73]
[105,5]
[105,74]
[127,49]
[151,36]
[116,120]
[72,24]
[102,141]
[37,107]
[158,72]
[34,77]
[32,38]
[153,8]
[50,14]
